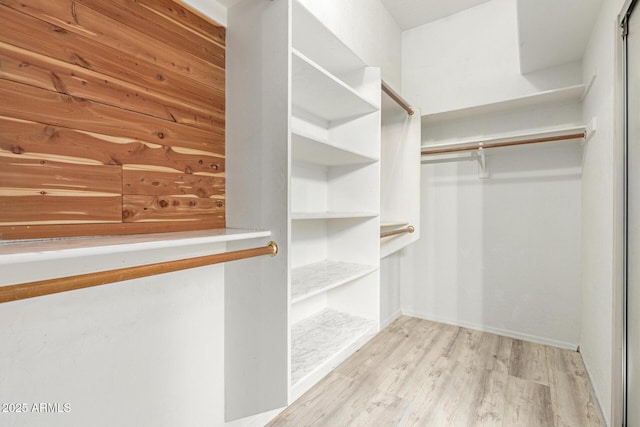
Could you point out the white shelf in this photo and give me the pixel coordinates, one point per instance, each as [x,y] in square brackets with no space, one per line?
[28,250]
[393,223]
[318,340]
[313,279]
[332,215]
[565,94]
[312,38]
[322,94]
[312,150]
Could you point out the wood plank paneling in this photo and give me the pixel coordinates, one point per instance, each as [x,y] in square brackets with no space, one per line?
[184,16]
[22,66]
[47,192]
[137,208]
[162,183]
[111,120]
[133,14]
[34,104]
[27,32]
[42,141]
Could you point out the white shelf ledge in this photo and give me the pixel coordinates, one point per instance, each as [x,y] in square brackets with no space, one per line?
[318,92]
[565,94]
[25,261]
[393,223]
[312,150]
[71,247]
[314,39]
[332,215]
[313,279]
[317,341]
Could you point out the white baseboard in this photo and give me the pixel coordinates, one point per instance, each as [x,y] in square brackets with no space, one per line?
[498,331]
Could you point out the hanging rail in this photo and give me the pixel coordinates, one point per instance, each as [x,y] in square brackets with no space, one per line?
[70,283]
[409,229]
[401,102]
[483,145]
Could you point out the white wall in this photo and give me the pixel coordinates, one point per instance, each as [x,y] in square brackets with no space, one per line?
[137,353]
[472,58]
[598,220]
[368,29]
[390,280]
[501,254]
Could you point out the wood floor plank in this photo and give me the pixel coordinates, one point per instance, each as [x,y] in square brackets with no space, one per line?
[433,375]
[341,401]
[529,362]
[404,375]
[381,347]
[573,401]
[529,404]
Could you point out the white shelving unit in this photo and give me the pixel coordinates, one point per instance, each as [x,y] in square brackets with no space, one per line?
[303,138]
[537,114]
[335,202]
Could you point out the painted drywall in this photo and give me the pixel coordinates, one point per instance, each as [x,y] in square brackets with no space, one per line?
[368,29]
[472,58]
[598,220]
[137,353]
[501,254]
[390,280]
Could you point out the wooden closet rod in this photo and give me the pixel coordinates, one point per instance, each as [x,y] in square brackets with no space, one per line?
[401,102]
[480,145]
[409,229]
[70,283]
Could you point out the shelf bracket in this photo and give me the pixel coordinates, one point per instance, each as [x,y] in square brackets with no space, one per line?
[483,171]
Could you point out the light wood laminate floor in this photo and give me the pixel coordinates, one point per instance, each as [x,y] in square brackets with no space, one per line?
[420,373]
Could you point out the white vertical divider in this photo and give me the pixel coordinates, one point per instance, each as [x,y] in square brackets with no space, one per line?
[257,160]
[400,175]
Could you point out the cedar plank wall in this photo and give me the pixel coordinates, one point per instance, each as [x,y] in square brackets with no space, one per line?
[111,118]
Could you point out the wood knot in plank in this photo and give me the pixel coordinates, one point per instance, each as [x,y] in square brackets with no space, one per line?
[126,214]
[163,203]
[80,61]
[16,149]
[50,131]
[57,29]
[159,77]
[219,203]
[58,84]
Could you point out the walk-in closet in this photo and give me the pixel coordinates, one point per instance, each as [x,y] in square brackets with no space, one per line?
[242,213]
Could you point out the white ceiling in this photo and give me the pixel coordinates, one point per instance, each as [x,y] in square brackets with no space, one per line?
[412,13]
[553,32]
[550,32]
